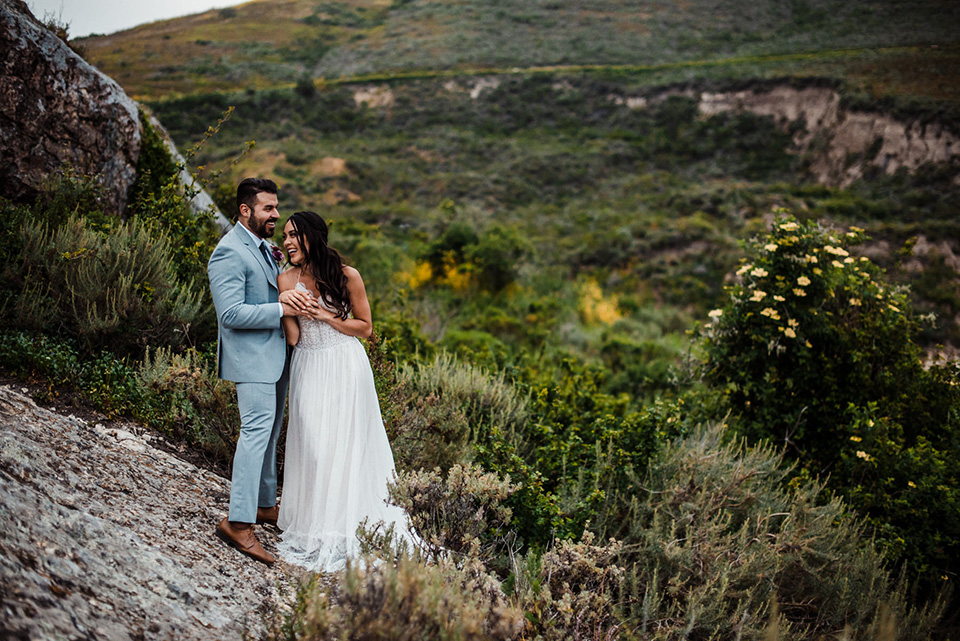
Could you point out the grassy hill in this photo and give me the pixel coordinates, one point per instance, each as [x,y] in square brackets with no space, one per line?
[884,47]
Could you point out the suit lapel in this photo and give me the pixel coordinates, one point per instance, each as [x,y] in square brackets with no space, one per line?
[257,255]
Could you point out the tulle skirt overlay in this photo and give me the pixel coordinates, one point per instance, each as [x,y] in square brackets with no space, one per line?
[338,459]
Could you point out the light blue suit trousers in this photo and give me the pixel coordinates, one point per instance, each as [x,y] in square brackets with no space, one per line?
[251,352]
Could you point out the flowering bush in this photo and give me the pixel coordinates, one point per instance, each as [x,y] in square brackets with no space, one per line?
[816,352]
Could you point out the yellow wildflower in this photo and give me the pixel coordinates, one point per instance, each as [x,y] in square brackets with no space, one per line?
[857,229]
[771,247]
[743,270]
[758,296]
[855,302]
[793,322]
[789,226]
[809,344]
[837,263]
[817,271]
[789,333]
[759,272]
[848,259]
[779,298]
[716,313]
[836,251]
[863,455]
[799,292]
[771,312]
[803,281]
[855,439]
[911,484]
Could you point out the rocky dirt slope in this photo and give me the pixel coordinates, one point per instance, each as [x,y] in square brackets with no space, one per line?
[104,536]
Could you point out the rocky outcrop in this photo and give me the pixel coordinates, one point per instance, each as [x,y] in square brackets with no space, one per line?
[841,143]
[55,108]
[104,536]
[852,140]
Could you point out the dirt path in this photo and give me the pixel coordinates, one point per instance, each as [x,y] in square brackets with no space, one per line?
[103,536]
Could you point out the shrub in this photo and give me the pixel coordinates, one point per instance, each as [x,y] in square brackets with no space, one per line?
[815,351]
[188,400]
[161,203]
[30,355]
[570,591]
[110,384]
[438,408]
[713,538]
[100,288]
[458,516]
[810,330]
[405,600]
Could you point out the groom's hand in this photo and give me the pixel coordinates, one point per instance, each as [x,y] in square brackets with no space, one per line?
[297,303]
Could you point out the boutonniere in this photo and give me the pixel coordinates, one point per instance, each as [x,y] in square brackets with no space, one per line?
[277,255]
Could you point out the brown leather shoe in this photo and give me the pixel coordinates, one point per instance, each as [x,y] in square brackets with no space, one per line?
[268,515]
[244,541]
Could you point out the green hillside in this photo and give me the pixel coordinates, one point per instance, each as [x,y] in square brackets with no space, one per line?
[306,38]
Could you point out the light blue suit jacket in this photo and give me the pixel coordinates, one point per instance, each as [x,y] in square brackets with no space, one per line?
[250,343]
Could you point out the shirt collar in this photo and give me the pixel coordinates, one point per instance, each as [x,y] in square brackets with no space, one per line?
[256,239]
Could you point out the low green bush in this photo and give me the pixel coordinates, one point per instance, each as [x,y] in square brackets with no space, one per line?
[713,538]
[99,288]
[458,515]
[188,401]
[402,601]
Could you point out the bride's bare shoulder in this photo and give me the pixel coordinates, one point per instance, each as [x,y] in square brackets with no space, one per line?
[288,279]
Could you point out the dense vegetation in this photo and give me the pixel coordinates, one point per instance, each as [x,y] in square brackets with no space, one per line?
[605,417]
[642,376]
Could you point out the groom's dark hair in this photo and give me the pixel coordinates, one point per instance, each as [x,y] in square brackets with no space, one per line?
[248,189]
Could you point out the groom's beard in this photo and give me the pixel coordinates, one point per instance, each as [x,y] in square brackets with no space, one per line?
[259,227]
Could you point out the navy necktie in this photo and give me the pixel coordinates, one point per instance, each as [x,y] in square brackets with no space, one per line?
[266,255]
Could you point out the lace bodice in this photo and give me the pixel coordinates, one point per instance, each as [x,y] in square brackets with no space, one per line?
[316,334]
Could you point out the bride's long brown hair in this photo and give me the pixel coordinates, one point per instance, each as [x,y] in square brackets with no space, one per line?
[322,261]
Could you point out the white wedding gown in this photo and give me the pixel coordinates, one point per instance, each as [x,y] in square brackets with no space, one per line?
[338,459]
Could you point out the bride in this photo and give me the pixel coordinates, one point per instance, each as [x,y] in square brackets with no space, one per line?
[338,460]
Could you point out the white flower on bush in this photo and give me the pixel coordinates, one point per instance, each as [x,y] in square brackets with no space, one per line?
[758,296]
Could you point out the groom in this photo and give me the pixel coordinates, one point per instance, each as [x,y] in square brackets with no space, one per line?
[252,352]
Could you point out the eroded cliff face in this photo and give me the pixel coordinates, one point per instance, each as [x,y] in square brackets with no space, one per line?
[842,143]
[55,108]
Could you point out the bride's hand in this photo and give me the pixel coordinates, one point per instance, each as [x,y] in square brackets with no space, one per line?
[301,301]
[321,314]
